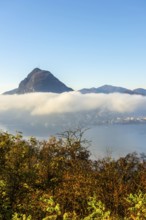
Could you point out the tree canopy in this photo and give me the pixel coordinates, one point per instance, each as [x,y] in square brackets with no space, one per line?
[57,179]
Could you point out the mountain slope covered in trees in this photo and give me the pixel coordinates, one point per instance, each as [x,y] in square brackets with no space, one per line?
[57,179]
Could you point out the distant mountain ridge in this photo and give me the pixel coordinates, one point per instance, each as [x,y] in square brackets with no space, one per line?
[40,81]
[107,89]
[44,81]
[140,91]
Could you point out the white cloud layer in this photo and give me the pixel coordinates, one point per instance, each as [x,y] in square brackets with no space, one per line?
[42,114]
[51,103]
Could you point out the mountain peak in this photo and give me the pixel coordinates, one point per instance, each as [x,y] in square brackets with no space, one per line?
[40,81]
[35,70]
[107,89]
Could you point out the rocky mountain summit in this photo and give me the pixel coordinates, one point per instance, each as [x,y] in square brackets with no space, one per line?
[40,81]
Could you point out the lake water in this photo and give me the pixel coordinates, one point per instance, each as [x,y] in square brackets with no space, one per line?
[118,140]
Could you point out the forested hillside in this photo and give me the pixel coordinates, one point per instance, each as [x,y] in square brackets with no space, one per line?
[57,179]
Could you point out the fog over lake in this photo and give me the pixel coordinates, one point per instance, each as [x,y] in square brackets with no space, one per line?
[116,122]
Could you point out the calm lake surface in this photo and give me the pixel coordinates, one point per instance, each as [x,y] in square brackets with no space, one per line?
[118,140]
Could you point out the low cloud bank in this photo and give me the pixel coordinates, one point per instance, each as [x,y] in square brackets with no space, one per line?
[72,102]
[42,114]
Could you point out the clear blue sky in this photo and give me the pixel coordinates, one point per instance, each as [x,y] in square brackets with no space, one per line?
[84,43]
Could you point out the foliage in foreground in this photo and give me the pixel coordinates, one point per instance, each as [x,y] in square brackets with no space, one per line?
[56,179]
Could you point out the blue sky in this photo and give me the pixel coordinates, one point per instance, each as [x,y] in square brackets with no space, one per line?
[84,43]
